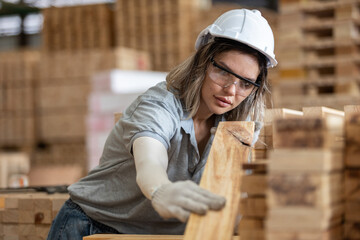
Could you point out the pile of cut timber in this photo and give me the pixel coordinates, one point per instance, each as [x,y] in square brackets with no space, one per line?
[78,27]
[352,172]
[28,216]
[18,74]
[305,199]
[318,52]
[253,206]
[62,96]
[162,28]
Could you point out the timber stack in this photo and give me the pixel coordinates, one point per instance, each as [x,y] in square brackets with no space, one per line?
[352,172]
[318,51]
[305,199]
[253,204]
[28,215]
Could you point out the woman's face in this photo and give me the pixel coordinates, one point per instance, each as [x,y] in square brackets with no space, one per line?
[222,91]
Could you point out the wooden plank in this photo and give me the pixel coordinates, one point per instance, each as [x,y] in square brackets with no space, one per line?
[222,179]
[336,117]
[352,209]
[271,115]
[351,230]
[255,207]
[305,133]
[297,190]
[309,160]
[137,237]
[304,218]
[132,237]
[259,166]
[254,184]
[334,233]
[352,184]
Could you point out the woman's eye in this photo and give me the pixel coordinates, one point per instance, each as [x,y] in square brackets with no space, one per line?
[224,73]
[246,85]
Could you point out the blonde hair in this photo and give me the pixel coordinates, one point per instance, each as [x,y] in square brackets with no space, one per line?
[186,80]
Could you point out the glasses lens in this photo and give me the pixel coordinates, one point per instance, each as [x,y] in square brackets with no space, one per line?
[220,77]
[225,79]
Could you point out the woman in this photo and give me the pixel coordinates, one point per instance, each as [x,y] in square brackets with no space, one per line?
[146,182]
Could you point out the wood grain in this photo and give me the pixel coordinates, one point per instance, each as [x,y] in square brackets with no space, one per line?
[222,175]
[137,237]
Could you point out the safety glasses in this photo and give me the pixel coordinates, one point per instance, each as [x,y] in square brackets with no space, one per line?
[225,78]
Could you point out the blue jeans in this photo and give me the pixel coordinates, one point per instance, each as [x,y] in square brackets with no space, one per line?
[71,223]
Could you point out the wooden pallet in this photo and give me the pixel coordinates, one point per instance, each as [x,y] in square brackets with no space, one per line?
[28,215]
[305,197]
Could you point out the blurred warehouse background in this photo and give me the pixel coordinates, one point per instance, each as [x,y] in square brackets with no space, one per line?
[59,60]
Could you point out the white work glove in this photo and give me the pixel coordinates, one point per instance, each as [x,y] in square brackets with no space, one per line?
[179,199]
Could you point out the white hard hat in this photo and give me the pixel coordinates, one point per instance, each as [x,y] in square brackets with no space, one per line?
[245,26]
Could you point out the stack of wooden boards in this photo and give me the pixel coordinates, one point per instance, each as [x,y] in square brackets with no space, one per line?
[297,191]
[44,100]
[165,29]
[318,53]
[78,27]
[305,172]
[162,28]
[253,204]
[63,90]
[18,73]
[28,216]
[352,172]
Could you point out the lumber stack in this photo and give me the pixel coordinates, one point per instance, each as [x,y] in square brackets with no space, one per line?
[265,141]
[18,73]
[352,172]
[28,216]
[62,99]
[162,28]
[305,199]
[78,27]
[253,206]
[318,55]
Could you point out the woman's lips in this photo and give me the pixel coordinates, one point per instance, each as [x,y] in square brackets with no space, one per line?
[223,101]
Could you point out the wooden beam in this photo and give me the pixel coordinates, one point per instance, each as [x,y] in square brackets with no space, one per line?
[304,218]
[137,237]
[222,175]
[311,190]
[306,133]
[309,161]
[132,237]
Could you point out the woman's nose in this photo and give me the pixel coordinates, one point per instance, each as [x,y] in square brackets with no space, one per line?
[231,90]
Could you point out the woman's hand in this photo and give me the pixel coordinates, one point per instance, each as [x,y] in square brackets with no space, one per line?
[179,199]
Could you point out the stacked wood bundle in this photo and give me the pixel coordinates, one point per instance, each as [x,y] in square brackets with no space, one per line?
[62,99]
[318,55]
[78,27]
[18,73]
[253,206]
[304,197]
[352,172]
[28,216]
[163,28]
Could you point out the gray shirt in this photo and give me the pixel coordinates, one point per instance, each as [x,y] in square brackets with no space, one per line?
[110,194]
